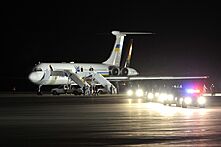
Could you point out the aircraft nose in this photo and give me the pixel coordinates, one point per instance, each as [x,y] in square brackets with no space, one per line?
[36,77]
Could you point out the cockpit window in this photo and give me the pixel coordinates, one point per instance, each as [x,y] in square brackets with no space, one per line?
[37,69]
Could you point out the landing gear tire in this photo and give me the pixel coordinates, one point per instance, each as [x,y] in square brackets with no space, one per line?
[39,93]
[39,90]
[201,106]
[54,93]
[178,104]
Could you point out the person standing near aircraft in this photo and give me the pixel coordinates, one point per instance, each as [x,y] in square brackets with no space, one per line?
[91,90]
[111,89]
[95,90]
[13,90]
[212,89]
[84,90]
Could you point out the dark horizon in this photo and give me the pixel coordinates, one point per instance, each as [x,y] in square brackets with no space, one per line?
[186,43]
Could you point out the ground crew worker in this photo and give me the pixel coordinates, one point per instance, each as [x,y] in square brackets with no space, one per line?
[84,89]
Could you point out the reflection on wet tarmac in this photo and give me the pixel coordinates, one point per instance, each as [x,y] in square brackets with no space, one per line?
[113,124]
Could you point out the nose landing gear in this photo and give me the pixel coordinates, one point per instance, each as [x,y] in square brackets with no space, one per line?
[39,90]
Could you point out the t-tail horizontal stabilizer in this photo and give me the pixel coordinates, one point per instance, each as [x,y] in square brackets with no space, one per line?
[115,57]
[129,33]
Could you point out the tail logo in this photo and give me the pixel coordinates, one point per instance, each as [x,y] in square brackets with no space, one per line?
[117,48]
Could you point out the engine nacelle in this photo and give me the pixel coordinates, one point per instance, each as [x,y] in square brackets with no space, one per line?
[115,71]
[124,71]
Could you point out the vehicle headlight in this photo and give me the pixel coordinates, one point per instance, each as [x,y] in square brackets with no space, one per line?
[139,92]
[188,100]
[201,100]
[181,100]
[150,95]
[130,92]
[170,97]
[157,94]
[162,97]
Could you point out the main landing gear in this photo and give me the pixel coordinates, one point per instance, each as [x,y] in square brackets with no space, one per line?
[39,90]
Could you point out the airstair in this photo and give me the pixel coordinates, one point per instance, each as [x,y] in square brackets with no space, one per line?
[101,80]
[79,81]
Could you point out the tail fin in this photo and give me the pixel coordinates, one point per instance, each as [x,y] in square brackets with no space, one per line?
[127,63]
[115,57]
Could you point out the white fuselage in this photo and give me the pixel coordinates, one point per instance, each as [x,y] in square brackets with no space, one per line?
[52,73]
[41,73]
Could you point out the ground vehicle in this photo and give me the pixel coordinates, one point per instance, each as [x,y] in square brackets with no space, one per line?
[76,90]
[65,89]
[184,94]
[99,89]
[102,91]
[136,94]
[189,96]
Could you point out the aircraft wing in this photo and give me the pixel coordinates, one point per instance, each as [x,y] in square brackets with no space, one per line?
[138,78]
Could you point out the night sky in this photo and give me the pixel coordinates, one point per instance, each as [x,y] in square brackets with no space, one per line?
[186,40]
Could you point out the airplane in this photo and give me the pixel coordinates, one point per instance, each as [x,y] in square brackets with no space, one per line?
[110,70]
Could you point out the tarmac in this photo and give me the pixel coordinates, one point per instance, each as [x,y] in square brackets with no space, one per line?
[105,120]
